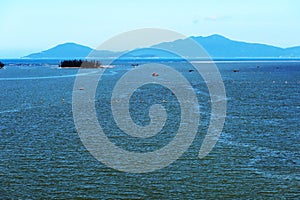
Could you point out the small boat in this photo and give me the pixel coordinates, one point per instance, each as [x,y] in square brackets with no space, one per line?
[236,70]
[155,74]
[1,65]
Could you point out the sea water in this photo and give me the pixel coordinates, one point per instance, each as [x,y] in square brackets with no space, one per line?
[257,155]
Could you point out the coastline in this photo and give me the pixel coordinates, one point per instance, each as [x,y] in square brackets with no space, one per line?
[100,67]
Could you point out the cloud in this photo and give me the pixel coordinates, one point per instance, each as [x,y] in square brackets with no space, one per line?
[212,18]
[195,21]
[216,18]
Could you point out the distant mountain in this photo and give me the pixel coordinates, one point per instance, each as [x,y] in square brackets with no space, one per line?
[67,50]
[71,51]
[219,46]
[216,46]
[292,52]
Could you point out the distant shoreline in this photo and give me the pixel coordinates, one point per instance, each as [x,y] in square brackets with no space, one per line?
[107,63]
[101,67]
[163,58]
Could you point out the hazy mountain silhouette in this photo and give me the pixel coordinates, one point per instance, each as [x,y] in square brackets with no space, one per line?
[67,50]
[71,50]
[216,46]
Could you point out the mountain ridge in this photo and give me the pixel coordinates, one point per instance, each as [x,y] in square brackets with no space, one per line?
[217,46]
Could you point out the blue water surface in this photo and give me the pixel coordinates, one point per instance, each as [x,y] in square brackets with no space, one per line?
[257,155]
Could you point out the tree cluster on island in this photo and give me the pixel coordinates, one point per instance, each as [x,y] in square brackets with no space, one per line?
[80,63]
[1,65]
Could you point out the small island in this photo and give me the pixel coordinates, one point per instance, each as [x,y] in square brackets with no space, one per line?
[1,65]
[80,64]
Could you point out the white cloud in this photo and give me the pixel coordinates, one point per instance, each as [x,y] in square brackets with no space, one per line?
[216,17]
[212,18]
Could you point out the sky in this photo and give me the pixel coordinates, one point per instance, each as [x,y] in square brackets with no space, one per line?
[34,25]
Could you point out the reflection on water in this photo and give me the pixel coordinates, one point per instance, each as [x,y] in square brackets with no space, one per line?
[258,153]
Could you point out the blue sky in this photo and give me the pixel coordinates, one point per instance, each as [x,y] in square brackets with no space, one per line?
[33,25]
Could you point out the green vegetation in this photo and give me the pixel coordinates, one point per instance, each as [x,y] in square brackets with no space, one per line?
[1,65]
[80,63]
